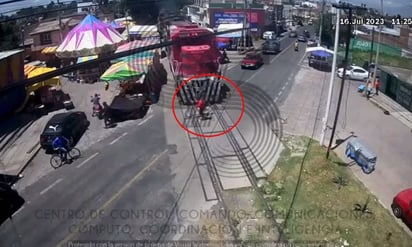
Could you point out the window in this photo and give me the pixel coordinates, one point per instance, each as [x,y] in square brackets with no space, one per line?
[358,71]
[45,38]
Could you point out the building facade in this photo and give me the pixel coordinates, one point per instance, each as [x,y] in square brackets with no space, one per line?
[397,84]
[51,33]
[12,69]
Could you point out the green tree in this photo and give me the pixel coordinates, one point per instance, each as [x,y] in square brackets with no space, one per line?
[147,11]
[8,36]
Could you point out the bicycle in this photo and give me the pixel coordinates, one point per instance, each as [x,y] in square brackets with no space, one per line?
[56,158]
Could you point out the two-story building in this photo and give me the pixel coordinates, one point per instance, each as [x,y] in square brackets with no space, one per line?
[49,34]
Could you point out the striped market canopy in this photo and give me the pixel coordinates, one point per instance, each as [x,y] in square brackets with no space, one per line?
[136,44]
[85,59]
[49,50]
[146,55]
[28,69]
[123,71]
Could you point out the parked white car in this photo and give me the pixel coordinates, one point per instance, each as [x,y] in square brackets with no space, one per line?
[354,73]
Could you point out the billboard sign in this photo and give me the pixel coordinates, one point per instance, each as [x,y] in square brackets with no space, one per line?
[224,18]
[235,18]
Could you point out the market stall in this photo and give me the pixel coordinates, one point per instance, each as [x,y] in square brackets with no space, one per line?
[91,37]
[45,95]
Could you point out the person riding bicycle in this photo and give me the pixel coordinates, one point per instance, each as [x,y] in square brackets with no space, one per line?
[61,144]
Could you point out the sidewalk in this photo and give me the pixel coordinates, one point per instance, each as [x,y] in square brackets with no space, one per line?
[394,108]
[22,146]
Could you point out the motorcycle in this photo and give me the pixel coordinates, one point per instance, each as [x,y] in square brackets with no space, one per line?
[97,111]
[97,107]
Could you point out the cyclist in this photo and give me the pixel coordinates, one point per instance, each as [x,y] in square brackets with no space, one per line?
[61,144]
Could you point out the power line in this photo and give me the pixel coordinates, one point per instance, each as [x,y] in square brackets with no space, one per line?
[11,1]
[71,8]
[349,7]
[96,62]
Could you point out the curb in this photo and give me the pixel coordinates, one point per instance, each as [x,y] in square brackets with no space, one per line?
[35,151]
[378,105]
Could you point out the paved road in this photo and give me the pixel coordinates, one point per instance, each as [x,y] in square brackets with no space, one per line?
[128,170]
[276,76]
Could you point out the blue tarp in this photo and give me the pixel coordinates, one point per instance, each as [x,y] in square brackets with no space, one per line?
[321,54]
[222,45]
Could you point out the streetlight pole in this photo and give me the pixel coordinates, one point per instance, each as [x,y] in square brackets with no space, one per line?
[332,78]
[377,51]
[348,37]
[321,23]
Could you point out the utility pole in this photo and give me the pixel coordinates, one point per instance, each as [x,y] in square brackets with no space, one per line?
[60,22]
[377,50]
[349,7]
[321,23]
[127,25]
[371,51]
[244,26]
[332,78]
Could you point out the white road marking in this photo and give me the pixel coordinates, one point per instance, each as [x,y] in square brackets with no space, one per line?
[231,66]
[283,88]
[51,186]
[253,76]
[280,93]
[118,138]
[137,177]
[276,99]
[302,59]
[278,55]
[145,120]
[87,160]
[287,82]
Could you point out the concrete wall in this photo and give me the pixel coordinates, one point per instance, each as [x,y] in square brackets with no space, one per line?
[401,41]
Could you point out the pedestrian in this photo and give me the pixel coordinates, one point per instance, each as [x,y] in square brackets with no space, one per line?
[369,89]
[200,104]
[106,86]
[377,86]
[107,114]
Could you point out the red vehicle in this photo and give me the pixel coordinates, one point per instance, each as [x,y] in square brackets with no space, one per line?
[402,206]
[252,60]
[194,52]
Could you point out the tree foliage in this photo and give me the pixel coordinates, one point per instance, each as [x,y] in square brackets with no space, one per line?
[147,11]
[8,36]
[328,30]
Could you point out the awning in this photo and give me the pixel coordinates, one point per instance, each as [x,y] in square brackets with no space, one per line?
[28,69]
[55,81]
[85,59]
[49,50]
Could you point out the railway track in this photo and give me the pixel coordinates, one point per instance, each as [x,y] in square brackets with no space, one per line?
[239,151]
[211,167]
[208,162]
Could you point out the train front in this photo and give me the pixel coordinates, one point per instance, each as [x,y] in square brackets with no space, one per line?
[195,56]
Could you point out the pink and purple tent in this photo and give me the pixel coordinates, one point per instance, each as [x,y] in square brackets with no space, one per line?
[90,37]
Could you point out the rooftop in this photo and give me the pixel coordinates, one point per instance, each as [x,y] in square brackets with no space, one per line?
[54,25]
[385,30]
[400,73]
[6,54]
